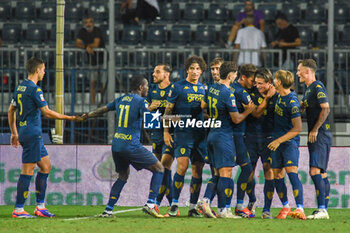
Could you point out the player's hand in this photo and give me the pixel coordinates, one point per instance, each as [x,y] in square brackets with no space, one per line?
[154,105]
[283,44]
[78,118]
[271,91]
[274,145]
[89,50]
[250,107]
[14,140]
[274,43]
[302,107]
[313,136]
[168,139]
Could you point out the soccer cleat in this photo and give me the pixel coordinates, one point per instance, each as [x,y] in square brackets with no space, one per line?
[204,208]
[298,213]
[266,215]
[227,214]
[194,213]
[23,214]
[106,214]
[173,212]
[284,213]
[319,214]
[244,213]
[151,211]
[43,212]
[251,206]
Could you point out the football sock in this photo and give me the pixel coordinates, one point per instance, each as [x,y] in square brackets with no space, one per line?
[320,190]
[210,190]
[327,188]
[297,189]
[169,191]
[242,181]
[164,187]
[251,191]
[229,197]
[225,190]
[40,186]
[115,193]
[22,190]
[269,188]
[195,188]
[178,184]
[281,189]
[156,181]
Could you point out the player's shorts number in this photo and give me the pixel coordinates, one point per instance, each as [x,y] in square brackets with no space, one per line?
[213,111]
[126,117]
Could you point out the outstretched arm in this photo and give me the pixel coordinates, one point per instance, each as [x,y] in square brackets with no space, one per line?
[96,112]
[12,124]
[55,115]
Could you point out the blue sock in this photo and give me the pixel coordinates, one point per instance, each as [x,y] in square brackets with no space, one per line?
[297,189]
[229,194]
[242,181]
[211,188]
[320,190]
[156,181]
[40,186]
[164,187]
[281,189]
[195,188]
[251,191]
[269,189]
[225,189]
[178,184]
[169,191]
[22,190]
[327,187]
[115,193]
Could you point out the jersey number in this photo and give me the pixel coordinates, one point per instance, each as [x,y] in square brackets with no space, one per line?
[126,117]
[213,111]
[19,96]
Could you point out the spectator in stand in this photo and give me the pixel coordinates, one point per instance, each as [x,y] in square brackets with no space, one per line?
[145,9]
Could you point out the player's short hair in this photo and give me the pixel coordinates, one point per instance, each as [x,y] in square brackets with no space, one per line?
[248,70]
[33,64]
[226,68]
[216,61]
[88,17]
[250,19]
[137,81]
[309,63]
[166,67]
[286,77]
[195,59]
[265,74]
[281,16]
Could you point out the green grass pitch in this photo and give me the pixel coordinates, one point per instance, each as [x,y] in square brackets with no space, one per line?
[80,219]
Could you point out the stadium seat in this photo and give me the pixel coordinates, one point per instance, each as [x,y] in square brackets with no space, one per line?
[74,12]
[306,35]
[224,33]
[341,13]
[320,59]
[156,34]
[11,32]
[170,12]
[36,33]
[315,14]
[117,13]
[48,11]
[131,35]
[322,36]
[205,34]
[269,11]
[180,35]
[341,59]
[292,12]
[120,59]
[5,11]
[216,14]
[194,12]
[98,11]
[237,9]
[25,11]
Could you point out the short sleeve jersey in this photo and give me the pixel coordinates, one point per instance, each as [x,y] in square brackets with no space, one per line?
[187,98]
[314,96]
[267,123]
[258,15]
[254,125]
[129,109]
[286,108]
[29,98]
[221,101]
[242,97]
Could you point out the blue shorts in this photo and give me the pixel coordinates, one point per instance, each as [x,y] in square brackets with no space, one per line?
[33,150]
[255,147]
[221,151]
[192,145]
[319,151]
[161,148]
[286,155]
[242,155]
[139,158]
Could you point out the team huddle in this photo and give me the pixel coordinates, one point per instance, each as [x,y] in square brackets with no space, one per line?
[259,115]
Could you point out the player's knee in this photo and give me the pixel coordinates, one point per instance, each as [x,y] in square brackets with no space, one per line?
[292,169]
[314,171]
[123,175]
[157,167]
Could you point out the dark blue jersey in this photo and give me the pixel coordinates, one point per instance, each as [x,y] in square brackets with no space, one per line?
[221,101]
[29,98]
[129,113]
[314,96]
[253,124]
[187,98]
[286,108]
[242,97]
[267,123]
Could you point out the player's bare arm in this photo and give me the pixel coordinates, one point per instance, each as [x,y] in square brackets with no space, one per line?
[239,117]
[322,117]
[96,113]
[12,124]
[168,139]
[55,115]
[204,107]
[154,105]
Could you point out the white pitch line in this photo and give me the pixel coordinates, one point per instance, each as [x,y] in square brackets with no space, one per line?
[115,212]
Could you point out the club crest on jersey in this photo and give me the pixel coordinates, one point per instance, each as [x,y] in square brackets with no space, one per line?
[195,88]
[162,93]
[295,109]
[321,95]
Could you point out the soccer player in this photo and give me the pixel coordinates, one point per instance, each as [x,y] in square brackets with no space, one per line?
[242,96]
[126,146]
[190,143]
[285,146]
[315,101]
[29,100]
[215,65]
[157,97]
[221,104]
